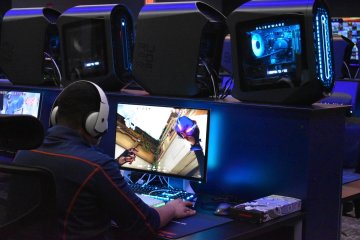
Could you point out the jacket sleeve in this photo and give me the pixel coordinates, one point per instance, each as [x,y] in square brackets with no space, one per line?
[130,213]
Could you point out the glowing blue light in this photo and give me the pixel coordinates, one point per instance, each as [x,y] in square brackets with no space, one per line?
[24,12]
[324,68]
[215,139]
[90,8]
[257,45]
[169,7]
[269,4]
[126,45]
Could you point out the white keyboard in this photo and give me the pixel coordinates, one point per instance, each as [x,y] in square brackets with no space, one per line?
[152,202]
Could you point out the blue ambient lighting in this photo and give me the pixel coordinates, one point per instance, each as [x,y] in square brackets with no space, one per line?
[215,139]
[170,7]
[23,12]
[269,4]
[125,44]
[90,9]
[324,67]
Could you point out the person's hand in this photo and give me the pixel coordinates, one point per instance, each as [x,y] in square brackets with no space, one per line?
[128,156]
[190,139]
[182,208]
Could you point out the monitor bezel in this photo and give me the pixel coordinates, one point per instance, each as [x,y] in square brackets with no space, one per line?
[243,27]
[26,91]
[206,155]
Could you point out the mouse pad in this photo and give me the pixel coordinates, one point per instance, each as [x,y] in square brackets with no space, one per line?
[199,222]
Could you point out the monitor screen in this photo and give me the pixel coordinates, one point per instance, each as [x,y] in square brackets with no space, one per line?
[271,52]
[85,49]
[15,102]
[348,27]
[169,141]
[351,88]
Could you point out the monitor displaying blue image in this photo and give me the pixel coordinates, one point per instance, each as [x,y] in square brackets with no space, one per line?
[168,141]
[18,102]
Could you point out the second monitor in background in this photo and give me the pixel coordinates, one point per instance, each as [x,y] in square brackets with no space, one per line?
[20,103]
[168,141]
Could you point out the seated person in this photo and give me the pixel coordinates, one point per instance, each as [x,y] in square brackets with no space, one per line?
[91,192]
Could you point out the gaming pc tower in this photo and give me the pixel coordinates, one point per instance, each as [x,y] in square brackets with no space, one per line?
[282,51]
[29,50]
[96,45]
[178,49]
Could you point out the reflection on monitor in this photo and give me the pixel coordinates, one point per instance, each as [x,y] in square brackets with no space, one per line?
[85,49]
[168,141]
[14,102]
[96,45]
[271,53]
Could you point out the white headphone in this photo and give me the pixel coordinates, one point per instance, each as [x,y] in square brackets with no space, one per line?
[96,123]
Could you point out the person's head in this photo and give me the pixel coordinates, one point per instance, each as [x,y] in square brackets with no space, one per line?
[187,128]
[82,106]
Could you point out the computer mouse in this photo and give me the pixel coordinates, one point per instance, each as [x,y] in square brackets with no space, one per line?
[222,209]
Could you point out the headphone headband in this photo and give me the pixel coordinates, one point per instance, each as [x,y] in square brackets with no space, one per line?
[96,123]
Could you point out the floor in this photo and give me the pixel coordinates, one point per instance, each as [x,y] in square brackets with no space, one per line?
[350,227]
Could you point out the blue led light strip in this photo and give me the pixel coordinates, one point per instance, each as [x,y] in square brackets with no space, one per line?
[325,45]
[324,68]
[170,7]
[125,44]
[24,12]
[90,9]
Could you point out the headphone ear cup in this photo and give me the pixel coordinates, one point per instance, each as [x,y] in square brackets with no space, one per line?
[53,115]
[90,124]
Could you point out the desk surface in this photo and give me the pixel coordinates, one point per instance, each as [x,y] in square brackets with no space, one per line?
[350,190]
[243,230]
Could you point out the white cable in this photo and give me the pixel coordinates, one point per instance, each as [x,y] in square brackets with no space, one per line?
[55,64]
[211,76]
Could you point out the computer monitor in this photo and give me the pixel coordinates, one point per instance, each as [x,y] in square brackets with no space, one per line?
[348,28]
[20,102]
[282,51]
[351,88]
[96,44]
[170,141]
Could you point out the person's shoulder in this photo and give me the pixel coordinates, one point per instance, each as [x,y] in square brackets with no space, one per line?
[96,156]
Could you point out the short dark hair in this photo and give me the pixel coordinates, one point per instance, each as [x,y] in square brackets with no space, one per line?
[76,102]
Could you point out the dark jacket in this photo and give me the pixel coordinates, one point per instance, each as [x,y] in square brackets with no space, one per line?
[91,192]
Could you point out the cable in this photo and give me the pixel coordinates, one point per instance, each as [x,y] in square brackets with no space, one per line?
[211,76]
[348,70]
[226,90]
[56,67]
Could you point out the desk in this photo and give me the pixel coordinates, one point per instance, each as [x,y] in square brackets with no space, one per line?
[287,227]
[269,149]
[351,192]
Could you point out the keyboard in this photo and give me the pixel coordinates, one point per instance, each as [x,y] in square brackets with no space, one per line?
[162,193]
[152,202]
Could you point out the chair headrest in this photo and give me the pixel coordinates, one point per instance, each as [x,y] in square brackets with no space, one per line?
[18,132]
